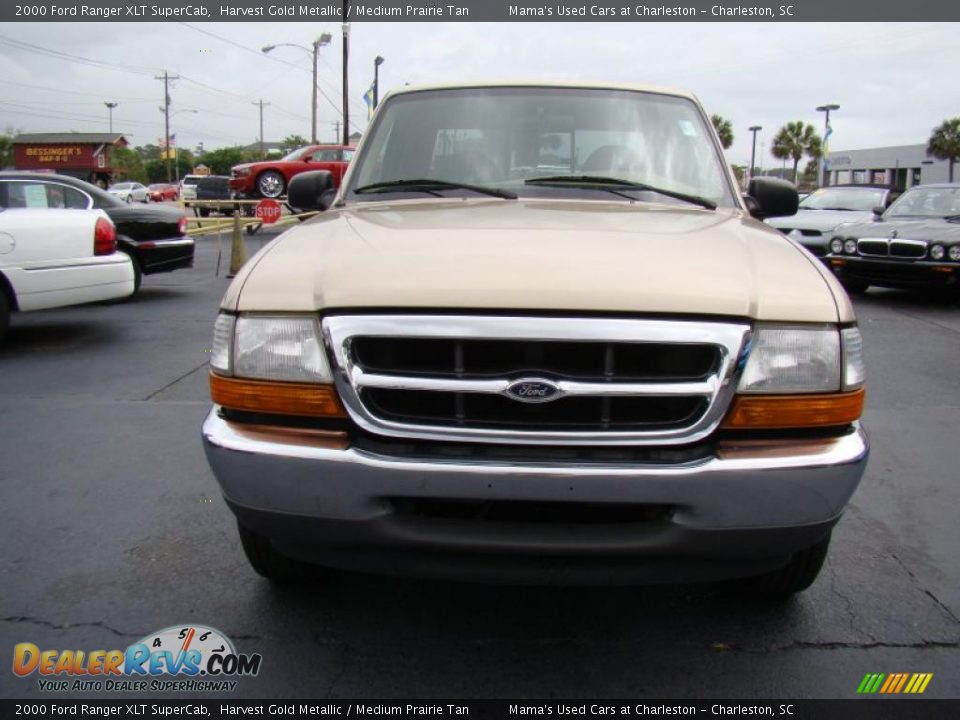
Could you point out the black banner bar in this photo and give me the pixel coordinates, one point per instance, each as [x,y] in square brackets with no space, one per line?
[481,11]
[855,709]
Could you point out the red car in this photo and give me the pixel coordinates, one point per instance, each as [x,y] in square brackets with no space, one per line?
[161,191]
[269,178]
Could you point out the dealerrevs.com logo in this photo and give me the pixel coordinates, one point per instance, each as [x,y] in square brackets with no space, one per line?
[175,659]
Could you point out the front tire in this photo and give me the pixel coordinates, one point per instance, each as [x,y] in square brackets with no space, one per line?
[854,286]
[271,184]
[794,577]
[4,314]
[267,561]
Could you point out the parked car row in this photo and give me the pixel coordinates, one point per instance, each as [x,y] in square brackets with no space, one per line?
[136,192]
[149,239]
[868,236]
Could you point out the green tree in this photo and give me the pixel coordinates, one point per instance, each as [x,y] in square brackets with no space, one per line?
[128,164]
[148,152]
[292,142]
[944,143]
[222,159]
[793,141]
[724,129]
[6,147]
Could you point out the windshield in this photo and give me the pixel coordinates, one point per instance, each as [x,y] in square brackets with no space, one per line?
[296,154]
[927,202]
[841,198]
[500,137]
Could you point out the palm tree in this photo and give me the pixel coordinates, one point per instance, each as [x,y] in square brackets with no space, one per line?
[724,130]
[944,143]
[794,140]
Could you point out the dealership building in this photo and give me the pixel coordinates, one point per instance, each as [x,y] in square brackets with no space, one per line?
[902,166]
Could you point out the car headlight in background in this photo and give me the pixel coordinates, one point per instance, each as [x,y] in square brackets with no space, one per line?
[850,246]
[799,377]
[836,246]
[954,253]
[937,252]
[272,364]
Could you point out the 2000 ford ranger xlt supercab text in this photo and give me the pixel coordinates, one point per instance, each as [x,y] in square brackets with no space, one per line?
[538,336]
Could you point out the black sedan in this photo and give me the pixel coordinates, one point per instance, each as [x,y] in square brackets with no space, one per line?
[915,243]
[153,236]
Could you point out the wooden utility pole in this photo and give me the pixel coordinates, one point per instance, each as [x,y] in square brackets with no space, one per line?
[166,77]
[262,104]
[346,90]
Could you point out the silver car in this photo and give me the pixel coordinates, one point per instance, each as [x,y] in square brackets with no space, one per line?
[826,208]
[130,192]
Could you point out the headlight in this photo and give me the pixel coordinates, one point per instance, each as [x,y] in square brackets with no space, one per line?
[241,172]
[937,252]
[852,349]
[836,246]
[272,364]
[262,347]
[222,351]
[850,246]
[954,253]
[279,348]
[791,360]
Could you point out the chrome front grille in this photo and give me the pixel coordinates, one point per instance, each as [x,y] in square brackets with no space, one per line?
[892,247]
[611,381]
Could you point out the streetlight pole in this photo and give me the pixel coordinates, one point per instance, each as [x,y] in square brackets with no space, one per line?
[324,39]
[110,107]
[753,152]
[377,62]
[826,135]
[346,92]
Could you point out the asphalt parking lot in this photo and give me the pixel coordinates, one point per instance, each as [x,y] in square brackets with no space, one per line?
[113,527]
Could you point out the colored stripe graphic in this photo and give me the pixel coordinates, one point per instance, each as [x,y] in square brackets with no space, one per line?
[894,683]
[903,681]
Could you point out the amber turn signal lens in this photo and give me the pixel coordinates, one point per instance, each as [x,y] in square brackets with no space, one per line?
[281,398]
[758,412]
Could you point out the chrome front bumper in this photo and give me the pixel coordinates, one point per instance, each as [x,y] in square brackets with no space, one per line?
[757,506]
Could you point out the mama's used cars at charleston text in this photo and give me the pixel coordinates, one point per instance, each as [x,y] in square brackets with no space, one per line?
[538,336]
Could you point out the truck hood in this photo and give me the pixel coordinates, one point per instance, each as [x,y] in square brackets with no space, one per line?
[526,255]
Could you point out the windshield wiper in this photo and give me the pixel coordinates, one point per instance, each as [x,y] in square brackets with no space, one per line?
[616,186]
[952,218]
[430,186]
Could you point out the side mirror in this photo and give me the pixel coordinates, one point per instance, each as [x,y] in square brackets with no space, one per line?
[878,211]
[771,197]
[311,190]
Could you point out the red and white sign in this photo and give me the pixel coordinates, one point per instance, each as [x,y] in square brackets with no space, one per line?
[268,211]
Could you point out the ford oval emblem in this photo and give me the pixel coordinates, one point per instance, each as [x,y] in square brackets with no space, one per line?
[533,390]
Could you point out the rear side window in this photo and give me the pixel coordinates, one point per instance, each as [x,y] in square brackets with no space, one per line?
[44,195]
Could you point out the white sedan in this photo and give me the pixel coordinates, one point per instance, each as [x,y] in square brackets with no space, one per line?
[130,192]
[64,257]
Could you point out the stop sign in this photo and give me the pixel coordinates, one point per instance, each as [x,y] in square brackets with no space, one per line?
[268,211]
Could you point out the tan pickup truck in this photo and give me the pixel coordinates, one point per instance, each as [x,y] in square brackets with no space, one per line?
[538,335]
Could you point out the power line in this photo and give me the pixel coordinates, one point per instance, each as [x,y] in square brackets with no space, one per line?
[69,56]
